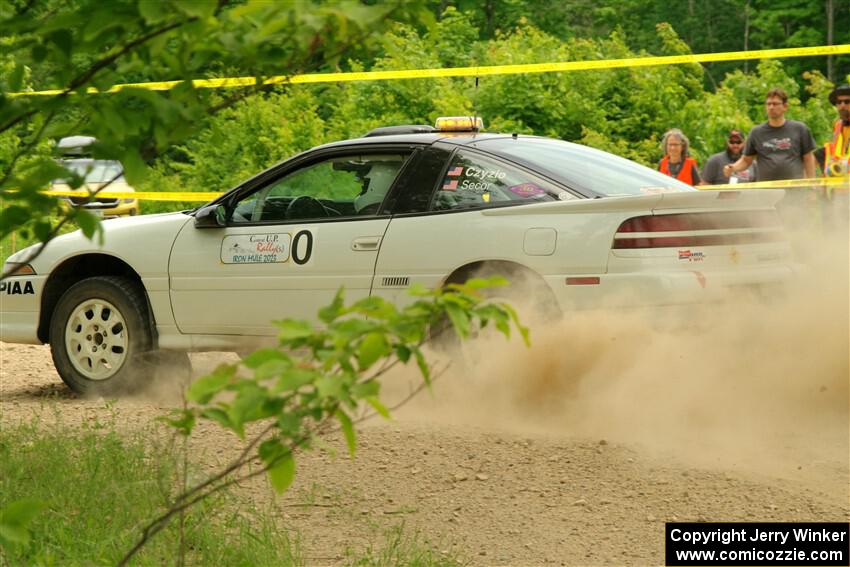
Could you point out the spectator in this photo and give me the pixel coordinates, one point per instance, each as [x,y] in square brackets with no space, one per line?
[836,152]
[676,161]
[782,148]
[712,172]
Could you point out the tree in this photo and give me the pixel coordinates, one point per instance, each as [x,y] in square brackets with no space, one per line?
[74,46]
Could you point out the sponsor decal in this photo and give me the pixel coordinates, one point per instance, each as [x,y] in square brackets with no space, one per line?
[474,186]
[15,287]
[691,256]
[476,173]
[526,190]
[256,248]
[486,197]
[455,171]
[450,186]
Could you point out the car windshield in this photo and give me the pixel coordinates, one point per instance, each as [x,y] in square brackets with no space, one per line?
[94,171]
[586,168]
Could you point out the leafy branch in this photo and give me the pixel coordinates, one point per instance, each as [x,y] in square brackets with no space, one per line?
[318,382]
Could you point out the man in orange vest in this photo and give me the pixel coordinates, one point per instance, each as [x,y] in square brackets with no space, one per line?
[837,150]
[835,161]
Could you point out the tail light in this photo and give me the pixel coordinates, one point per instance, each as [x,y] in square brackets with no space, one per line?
[695,229]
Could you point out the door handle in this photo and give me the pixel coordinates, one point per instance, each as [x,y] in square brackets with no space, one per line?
[366,243]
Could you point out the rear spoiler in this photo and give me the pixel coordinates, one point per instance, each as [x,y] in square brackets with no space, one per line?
[683,201]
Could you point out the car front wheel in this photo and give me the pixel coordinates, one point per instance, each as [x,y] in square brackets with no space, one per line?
[98,331]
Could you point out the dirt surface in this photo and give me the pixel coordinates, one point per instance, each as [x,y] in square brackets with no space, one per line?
[573,452]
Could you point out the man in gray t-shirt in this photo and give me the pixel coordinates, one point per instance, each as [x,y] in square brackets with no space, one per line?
[782,148]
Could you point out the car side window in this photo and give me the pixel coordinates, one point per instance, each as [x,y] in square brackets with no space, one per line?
[473,181]
[349,186]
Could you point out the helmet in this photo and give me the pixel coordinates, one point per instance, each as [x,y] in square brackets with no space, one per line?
[379,177]
[839,90]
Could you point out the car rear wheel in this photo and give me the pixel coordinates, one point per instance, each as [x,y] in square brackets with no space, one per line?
[98,331]
[526,292]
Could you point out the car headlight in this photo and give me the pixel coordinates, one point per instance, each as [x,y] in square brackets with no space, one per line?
[19,262]
[17,269]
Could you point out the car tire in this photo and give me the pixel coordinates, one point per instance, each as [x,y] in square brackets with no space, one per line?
[98,332]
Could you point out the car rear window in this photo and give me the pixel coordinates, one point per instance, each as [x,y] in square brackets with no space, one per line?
[585,168]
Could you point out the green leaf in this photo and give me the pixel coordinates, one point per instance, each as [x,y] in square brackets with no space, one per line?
[294,378]
[332,311]
[378,407]
[13,535]
[282,473]
[292,329]
[87,222]
[16,78]
[347,430]
[219,416]
[21,512]
[134,167]
[151,11]
[247,406]
[459,318]
[14,520]
[263,355]
[373,347]
[272,368]
[367,389]
[402,352]
[289,424]
[197,8]
[203,389]
[329,387]
[183,422]
[423,366]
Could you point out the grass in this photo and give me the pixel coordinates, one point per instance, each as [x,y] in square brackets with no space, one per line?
[102,487]
[400,547]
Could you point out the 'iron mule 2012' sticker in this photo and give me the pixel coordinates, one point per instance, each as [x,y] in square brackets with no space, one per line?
[256,248]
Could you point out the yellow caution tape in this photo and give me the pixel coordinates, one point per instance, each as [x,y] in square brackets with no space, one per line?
[566,66]
[140,195]
[843,181]
[190,196]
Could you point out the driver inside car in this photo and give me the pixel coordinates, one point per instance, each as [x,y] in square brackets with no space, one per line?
[376,184]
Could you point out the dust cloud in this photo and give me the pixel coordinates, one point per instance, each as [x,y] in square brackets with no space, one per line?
[752,381]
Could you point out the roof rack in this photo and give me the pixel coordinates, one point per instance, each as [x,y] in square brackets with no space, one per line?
[407,129]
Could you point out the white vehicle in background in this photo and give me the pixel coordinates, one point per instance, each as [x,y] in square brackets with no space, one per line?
[573,226]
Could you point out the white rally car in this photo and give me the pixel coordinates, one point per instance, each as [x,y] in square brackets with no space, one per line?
[573,226]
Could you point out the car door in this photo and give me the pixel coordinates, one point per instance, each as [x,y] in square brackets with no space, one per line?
[288,245]
[439,225]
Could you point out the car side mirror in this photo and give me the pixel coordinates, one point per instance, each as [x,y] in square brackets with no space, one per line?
[211,216]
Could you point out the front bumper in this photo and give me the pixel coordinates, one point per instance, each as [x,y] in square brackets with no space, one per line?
[20,299]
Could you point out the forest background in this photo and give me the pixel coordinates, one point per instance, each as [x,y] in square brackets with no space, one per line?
[624,111]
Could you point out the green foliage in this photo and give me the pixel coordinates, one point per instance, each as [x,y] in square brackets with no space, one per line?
[75,46]
[76,496]
[323,381]
[15,519]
